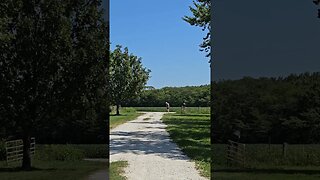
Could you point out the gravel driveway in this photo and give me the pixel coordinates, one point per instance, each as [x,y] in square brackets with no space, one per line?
[150,153]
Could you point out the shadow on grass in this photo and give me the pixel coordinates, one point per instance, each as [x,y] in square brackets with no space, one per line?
[270,171]
[19,169]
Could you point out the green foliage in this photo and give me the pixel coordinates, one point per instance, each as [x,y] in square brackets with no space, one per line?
[127,76]
[59,153]
[193,96]
[268,109]
[201,17]
[188,110]
[53,61]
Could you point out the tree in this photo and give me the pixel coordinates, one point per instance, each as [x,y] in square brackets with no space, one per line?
[317,2]
[127,76]
[201,18]
[53,63]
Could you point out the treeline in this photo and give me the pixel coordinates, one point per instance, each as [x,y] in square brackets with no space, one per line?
[267,110]
[193,96]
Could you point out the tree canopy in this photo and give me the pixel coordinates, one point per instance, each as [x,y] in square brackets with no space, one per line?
[53,74]
[128,77]
[268,109]
[201,18]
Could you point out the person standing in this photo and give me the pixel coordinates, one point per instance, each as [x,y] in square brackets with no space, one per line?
[168,107]
[183,107]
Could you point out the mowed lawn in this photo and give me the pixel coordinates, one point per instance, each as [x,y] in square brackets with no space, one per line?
[126,114]
[51,170]
[192,134]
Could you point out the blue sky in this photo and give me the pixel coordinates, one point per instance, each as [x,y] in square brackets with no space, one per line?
[168,46]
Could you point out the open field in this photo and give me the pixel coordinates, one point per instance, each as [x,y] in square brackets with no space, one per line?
[116,170]
[264,162]
[194,110]
[192,134]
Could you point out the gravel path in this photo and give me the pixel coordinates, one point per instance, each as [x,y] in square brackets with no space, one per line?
[150,153]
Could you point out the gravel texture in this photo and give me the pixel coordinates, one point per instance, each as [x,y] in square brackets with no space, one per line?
[150,153]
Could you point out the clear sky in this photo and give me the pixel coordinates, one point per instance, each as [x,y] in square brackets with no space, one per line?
[168,46]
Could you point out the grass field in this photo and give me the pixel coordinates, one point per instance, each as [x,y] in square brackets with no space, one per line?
[264,162]
[192,134]
[194,110]
[59,162]
[51,170]
[126,114]
[116,170]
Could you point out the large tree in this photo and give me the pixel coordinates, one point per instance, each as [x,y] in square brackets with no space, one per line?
[53,65]
[127,76]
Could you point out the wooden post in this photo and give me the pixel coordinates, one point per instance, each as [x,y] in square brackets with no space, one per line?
[284,149]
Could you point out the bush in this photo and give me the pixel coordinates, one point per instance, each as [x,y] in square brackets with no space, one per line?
[59,153]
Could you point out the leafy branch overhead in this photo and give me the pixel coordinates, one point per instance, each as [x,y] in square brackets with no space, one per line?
[317,2]
[201,18]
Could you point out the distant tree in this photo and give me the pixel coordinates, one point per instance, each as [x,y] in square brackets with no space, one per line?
[201,18]
[127,76]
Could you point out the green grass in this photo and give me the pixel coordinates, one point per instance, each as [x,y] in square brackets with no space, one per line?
[51,170]
[88,150]
[126,114]
[262,162]
[192,134]
[116,170]
[195,110]
[258,155]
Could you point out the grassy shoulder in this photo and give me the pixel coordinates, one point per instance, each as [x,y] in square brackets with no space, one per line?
[267,162]
[52,170]
[192,134]
[59,161]
[117,170]
[126,114]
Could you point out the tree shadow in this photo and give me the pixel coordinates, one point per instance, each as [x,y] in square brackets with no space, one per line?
[19,169]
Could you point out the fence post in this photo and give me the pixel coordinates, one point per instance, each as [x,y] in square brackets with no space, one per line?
[284,149]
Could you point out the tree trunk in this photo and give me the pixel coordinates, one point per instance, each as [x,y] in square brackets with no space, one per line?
[118,106]
[26,162]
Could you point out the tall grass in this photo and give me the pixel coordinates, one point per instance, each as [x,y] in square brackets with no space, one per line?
[260,155]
